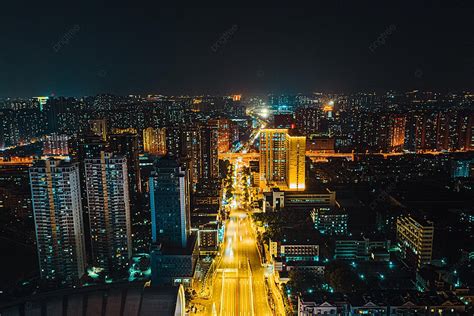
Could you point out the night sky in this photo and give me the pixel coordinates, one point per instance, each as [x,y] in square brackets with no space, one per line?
[59,48]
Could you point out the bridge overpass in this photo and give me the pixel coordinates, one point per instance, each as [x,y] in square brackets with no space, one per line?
[316,156]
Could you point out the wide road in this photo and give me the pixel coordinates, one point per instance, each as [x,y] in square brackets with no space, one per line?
[238,287]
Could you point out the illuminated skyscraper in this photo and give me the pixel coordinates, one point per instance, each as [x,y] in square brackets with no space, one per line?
[109,211]
[273,155]
[282,159]
[295,162]
[57,210]
[154,141]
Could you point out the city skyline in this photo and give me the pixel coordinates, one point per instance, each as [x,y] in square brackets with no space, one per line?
[196,160]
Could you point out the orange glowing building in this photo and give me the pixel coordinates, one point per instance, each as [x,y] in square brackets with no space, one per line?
[154,141]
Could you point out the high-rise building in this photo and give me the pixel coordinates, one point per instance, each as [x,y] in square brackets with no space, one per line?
[174,249]
[55,145]
[170,203]
[295,162]
[154,141]
[397,132]
[57,210]
[209,158]
[173,141]
[109,211]
[415,237]
[282,159]
[224,134]
[190,153]
[126,145]
[273,155]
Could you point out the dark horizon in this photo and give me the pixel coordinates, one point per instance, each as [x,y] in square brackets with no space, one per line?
[124,49]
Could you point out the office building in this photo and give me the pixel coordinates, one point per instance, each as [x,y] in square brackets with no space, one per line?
[277,199]
[347,248]
[109,211]
[208,236]
[295,162]
[294,250]
[273,156]
[174,249]
[282,159]
[415,237]
[170,203]
[57,210]
[330,220]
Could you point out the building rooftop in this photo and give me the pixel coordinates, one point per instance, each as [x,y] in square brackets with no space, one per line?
[112,299]
[192,239]
[396,298]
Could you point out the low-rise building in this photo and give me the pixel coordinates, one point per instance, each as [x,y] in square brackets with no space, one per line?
[330,220]
[360,249]
[277,199]
[392,302]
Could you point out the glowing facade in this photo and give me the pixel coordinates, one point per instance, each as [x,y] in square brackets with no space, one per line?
[416,239]
[295,162]
[57,213]
[273,155]
[154,141]
[397,132]
[282,159]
